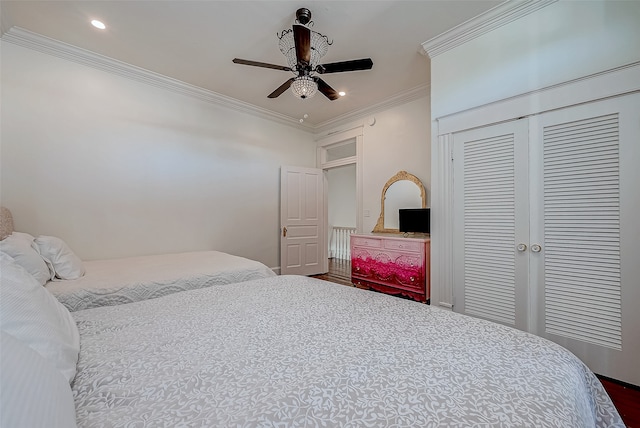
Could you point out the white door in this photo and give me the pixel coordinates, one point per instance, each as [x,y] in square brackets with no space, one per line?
[546,229]
[587,223]
[302,237]
[491,223]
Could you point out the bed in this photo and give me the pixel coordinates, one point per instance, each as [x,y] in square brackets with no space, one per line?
[131,279]
[294,351]
[79,284]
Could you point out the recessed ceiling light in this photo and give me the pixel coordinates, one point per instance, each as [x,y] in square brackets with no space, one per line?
[342,93]
[98,24]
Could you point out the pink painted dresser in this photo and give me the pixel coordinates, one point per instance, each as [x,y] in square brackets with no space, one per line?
[392,264]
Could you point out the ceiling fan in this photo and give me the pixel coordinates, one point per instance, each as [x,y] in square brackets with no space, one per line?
[303,49]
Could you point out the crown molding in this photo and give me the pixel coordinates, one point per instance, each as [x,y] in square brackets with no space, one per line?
[496,17]
[31,40]
[399,99]
[28,39]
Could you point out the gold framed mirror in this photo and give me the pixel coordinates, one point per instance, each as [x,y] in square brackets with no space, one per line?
[403,190]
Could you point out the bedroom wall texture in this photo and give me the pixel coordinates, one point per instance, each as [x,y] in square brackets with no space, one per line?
[560,42]
[342,196]
[398,140]
[119,168]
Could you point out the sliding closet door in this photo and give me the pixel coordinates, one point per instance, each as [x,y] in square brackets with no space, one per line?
[491,223]
[586,195]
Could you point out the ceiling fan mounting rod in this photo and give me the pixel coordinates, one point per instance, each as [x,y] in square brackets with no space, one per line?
[303,15]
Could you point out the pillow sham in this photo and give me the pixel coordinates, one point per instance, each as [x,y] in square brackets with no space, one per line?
[19,246]
[31,314]
[65,263]
[6,222]
[35,394]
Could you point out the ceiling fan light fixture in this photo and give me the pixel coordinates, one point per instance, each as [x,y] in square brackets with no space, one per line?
[288,48]
[304,87]
[304,49]
[319,47]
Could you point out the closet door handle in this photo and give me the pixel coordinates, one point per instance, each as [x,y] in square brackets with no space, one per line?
[536,248]
[284,231]
[522,247]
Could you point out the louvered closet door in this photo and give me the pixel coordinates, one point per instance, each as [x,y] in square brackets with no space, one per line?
[490,221]
[587,220]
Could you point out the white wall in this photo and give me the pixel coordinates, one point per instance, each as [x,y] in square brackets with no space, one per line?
[560,42]
[342,196]
[399,140]
[119,168]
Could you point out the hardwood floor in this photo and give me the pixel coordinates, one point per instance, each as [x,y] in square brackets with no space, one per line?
[625,397]
[339,272]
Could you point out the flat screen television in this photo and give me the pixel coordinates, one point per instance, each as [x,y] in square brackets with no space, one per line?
[414,220]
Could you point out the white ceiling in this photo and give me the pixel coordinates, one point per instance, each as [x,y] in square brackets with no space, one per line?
[195,41]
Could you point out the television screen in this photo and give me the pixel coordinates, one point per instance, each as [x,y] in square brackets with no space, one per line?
[414,220]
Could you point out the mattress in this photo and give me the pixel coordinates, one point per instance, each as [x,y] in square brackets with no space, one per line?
[126,280]
[299,352]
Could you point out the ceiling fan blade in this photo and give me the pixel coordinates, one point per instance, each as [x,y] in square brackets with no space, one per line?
[302,39]
[327,90]
[281,89]
[260,64]
[339,67]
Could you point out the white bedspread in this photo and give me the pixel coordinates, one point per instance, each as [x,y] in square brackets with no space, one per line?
[297,352]
[118,281]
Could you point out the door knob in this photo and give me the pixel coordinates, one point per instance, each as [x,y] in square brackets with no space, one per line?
[522,247]
[284,231]
[536,248]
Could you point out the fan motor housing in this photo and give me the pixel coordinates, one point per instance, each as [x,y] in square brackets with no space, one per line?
[303,15]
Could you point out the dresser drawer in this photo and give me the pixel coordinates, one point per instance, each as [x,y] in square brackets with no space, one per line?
[396,244]
[360,241]
[391,264]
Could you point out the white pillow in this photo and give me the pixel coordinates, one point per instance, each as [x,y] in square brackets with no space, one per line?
[31,314]
[65,263]
[19,246]
[34,393]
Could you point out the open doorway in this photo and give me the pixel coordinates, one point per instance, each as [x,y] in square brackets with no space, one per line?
[341,217]
[340,157]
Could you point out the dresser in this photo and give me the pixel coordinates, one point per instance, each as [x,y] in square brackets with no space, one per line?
[392,264]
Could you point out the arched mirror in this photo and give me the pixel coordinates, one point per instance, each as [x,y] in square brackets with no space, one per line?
[403,190]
